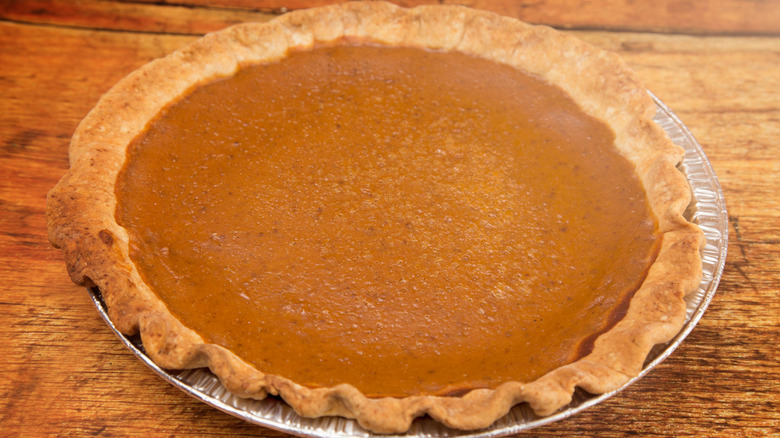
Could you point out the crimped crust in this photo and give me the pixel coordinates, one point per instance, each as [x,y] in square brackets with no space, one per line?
[81,207]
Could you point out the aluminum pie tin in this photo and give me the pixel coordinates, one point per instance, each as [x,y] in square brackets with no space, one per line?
[708,210]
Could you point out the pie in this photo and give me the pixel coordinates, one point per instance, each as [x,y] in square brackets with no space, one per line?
[381,213]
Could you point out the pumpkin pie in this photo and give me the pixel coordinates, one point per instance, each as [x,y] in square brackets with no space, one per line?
[381,213]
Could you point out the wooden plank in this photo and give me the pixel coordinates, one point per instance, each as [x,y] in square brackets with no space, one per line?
[95,14]
[662,16]
[752,17]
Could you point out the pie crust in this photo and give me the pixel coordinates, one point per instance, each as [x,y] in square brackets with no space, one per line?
[81,208]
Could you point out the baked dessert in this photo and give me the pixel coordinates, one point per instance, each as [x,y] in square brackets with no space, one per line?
[382,213]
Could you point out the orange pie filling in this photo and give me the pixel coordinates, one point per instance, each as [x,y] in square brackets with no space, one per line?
[405,221]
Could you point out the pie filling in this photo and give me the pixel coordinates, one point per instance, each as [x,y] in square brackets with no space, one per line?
[405,221]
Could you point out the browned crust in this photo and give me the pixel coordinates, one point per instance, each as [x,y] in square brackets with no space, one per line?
[81,207]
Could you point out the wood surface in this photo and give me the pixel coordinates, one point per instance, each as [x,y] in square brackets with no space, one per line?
[63,372]
[752,17]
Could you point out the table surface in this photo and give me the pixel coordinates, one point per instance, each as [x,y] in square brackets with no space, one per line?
[63,372]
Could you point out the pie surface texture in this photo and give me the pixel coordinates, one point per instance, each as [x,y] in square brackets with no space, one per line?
[374,347]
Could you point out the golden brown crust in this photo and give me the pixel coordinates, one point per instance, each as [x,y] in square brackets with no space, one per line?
[81,207]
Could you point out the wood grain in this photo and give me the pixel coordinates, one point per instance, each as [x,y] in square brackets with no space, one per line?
[127,16]
[63,373]
[681,16]
[746,17]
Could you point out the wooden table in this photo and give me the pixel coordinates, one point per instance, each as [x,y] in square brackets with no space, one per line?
[62,372]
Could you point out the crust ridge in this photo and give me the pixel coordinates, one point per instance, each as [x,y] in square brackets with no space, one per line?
[96,248]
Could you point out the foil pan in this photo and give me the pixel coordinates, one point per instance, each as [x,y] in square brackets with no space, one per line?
[708,210]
